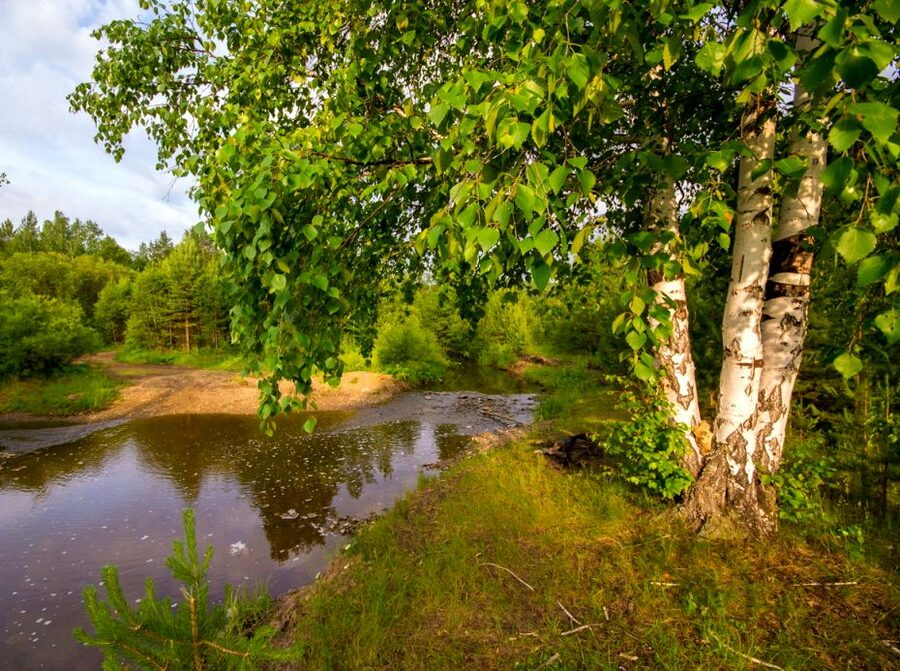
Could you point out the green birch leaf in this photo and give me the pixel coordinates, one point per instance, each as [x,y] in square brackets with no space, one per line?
[643,372]
[883,223]
[800,12]
[545,241]
[711,58]
[527,200]
[488,237]
[578,71]
[835,175]
[558,178]
[832,32]
[873,269]
[877,118]
[857,70]
[309,425]
[635,340]
[843,134]
[854,243]
[889,324]
[792,166]
[848,364]
[587,179]
[540,273]
[889,10]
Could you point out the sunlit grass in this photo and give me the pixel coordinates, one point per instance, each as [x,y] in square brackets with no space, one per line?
[75,389]
[427,586]
[210,359]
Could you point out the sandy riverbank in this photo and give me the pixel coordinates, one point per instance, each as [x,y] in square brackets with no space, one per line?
[156,390]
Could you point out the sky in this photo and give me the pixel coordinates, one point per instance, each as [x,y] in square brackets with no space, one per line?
[48,153]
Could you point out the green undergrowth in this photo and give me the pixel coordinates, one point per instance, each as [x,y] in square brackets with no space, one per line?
[573,397]
[210,359]
[75,389]
[431,585]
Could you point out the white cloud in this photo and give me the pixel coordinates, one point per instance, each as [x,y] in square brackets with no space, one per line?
[48,153]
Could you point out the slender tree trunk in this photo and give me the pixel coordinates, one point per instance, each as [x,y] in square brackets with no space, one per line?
[674,354]
[784,320]
[729,484]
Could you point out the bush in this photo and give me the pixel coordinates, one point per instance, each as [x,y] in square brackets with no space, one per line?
[648,446]
[39,335]
[410,352]
[504,333]
[113,309]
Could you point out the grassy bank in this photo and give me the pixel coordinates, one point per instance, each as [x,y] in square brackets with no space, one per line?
[209,359]
[76,389]
[506,562]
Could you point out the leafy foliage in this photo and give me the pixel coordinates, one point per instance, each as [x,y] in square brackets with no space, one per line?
[649,448]
[194,635]
[409,352]
[39,335]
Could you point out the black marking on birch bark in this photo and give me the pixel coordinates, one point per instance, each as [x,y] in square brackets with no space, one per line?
[792,255]
[781,290]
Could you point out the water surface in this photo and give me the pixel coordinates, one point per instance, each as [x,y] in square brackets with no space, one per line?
[271,507]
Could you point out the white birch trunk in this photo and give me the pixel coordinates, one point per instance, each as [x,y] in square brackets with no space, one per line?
[673,355]
[787,292]
[729,482]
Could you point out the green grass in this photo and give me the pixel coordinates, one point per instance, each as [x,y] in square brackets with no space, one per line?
[424,588]
[574,396]
[429,586]
[76,389]
[222,359]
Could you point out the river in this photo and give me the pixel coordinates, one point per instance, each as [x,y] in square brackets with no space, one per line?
[274,508]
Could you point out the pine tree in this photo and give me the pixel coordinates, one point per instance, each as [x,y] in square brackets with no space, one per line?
[193,636]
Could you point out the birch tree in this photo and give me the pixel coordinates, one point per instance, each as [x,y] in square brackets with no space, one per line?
[335,144]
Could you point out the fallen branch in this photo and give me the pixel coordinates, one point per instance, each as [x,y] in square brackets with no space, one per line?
[664,584]
[891,645]
[755,660]
[571,617]
[825,584]
[548,662]
[577,629]
[503,568]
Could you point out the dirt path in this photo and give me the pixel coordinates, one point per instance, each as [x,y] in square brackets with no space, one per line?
[155,390]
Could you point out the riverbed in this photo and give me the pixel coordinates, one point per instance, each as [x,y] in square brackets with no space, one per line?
[275,509]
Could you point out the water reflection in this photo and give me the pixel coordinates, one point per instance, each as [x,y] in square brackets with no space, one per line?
[116,496]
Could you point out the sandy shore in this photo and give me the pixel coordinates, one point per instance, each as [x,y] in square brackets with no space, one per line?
[155,390]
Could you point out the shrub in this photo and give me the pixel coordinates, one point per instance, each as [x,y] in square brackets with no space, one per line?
[504,333]
[39,335]
[407,350]
[648,446]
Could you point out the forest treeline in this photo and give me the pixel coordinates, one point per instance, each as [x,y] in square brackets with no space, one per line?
[67,288]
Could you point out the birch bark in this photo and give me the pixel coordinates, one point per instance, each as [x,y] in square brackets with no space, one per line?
[673,355]
[730,481]
[784,320]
